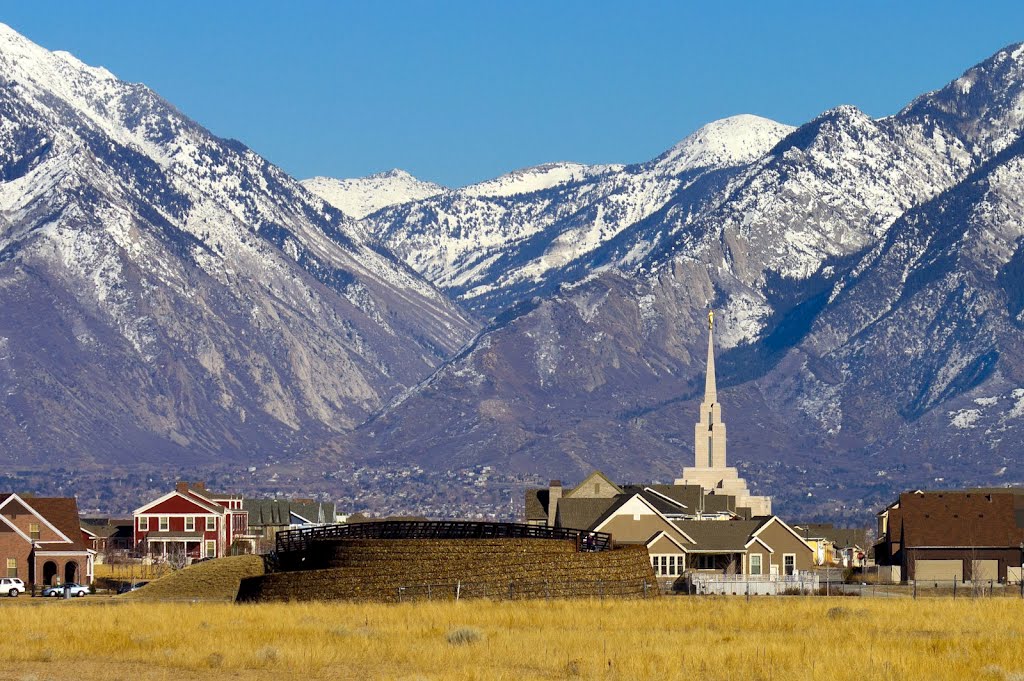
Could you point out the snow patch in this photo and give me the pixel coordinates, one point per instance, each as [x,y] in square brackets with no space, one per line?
[964,418]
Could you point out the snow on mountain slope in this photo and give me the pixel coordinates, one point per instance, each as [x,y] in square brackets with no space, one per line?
[359,197]
[497,242]
[732,141]
[167,291]
[868,279]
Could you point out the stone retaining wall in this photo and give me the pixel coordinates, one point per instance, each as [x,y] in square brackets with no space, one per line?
[393,570]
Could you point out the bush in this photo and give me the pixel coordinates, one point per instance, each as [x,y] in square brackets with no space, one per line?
[464,635]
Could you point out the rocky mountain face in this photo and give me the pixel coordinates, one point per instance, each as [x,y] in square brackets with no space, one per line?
[494,244]
[866,277]
[169,296]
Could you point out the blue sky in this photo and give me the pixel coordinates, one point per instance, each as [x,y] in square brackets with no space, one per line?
[458,92]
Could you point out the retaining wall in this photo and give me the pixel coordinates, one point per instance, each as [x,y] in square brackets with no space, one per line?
[394,570]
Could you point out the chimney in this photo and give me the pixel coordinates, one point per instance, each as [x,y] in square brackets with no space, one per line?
[554,494]
[181,487]
[201,486]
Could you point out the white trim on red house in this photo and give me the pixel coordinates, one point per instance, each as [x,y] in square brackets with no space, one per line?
[15,528]
[201,502]
[36,514]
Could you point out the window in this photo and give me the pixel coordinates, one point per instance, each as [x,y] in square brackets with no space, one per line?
[211,523]
[755,563]
[143,523]
[706,562]
[12,567]
[211,548]
[33,530]
[190,523]
[789,564]
[165,523]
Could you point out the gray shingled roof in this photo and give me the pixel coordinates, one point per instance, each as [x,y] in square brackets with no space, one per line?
[537,504]
[278,511]
[582,514]
[719,535]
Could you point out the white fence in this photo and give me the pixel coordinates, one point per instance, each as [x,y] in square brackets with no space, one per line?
[753,585]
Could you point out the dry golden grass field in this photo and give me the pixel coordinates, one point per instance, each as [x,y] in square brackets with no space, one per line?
[667,638]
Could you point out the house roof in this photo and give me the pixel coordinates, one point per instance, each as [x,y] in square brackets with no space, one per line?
[965,518]
[62,513]
[279,511]
[583,514]
[719,535]
[111,528]
[537,504]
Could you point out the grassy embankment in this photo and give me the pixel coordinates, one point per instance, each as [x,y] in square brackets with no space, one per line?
[667,638]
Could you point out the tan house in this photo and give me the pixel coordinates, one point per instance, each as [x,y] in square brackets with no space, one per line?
[678,539]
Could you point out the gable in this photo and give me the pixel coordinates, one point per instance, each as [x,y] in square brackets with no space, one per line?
[21,515]
[594,486]
[663,545]
[635,521]
[781,539]
[174,504]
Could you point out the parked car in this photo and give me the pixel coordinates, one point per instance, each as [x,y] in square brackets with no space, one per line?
[12,586]
[125,588]
[58,591]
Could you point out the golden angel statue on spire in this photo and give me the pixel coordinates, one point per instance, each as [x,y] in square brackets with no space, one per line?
[711,320]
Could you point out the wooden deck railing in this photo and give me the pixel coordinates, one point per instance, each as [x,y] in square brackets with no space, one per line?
[300,539]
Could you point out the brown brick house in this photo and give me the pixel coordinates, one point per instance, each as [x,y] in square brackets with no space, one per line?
[945,535]
[41,541]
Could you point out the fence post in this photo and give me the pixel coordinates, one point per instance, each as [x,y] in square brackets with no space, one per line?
[954,589]
[510,595]
[748,589]
[458,589]
[645,587]
[400,590]
[547,590]
[428,592]
[915,589]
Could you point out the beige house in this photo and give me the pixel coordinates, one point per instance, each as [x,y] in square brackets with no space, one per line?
[677,538]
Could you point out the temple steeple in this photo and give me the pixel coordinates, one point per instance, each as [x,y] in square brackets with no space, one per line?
[710,391]
[709,433]
[710,470]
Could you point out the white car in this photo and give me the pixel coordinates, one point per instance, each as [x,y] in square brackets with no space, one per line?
[12,586]
[58,591]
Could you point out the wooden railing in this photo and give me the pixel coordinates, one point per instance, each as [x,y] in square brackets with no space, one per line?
[300,539]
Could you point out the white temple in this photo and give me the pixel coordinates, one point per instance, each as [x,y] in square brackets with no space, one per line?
[709,468]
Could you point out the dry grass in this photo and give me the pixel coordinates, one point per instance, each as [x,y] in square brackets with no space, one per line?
[214,580]
[130,571]
[667,638]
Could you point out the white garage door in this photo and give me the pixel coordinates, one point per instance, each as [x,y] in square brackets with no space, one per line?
[939,570]
[984,570]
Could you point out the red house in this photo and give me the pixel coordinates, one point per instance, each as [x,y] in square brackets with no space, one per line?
[191,522]
[41,542]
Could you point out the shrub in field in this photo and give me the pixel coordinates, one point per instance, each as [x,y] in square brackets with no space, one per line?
[464,635]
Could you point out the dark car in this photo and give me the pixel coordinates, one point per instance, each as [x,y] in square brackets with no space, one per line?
[134,586]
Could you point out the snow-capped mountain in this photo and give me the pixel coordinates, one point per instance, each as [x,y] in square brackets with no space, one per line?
[165,292]
[865,272]
[359,197]
[504,240]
